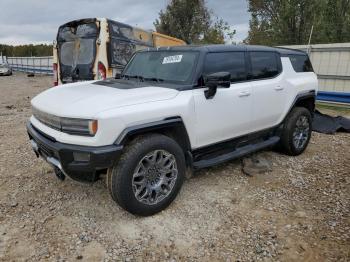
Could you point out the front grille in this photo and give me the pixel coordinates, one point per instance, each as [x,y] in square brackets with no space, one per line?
[47,119]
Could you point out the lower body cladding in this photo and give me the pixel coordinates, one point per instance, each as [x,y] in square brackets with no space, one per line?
[80,163]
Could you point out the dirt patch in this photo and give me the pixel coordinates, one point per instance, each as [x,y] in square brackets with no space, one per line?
[297,212]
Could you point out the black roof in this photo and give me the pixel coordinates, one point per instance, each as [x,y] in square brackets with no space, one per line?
[228,48]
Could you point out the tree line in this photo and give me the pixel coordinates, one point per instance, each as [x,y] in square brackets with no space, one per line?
[289,22]
[272,22]
[26,50]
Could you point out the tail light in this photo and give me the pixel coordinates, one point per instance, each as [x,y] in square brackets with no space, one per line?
[55,74]
[101,71]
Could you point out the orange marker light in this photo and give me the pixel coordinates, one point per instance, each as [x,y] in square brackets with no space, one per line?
[93,126]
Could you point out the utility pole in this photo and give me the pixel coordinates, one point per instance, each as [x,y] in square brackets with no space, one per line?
[308,46]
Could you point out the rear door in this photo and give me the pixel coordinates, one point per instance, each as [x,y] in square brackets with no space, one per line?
[76,43]
[268,92]
[228,114]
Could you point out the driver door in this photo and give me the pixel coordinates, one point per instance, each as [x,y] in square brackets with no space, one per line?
[229,113]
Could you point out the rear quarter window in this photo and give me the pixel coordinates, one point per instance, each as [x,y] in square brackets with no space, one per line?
[264,64]
[301,63]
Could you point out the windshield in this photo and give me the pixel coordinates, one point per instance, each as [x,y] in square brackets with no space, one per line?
[171,66]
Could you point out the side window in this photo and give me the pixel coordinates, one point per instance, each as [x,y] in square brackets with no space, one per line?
[264,64]
[232,62]
[301,63]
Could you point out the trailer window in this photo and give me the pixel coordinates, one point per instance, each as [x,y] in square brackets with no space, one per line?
[124,42]
[77,53]
[71,32]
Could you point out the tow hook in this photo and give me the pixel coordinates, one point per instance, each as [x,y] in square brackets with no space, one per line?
[57,168]
[59,174]
[35,147]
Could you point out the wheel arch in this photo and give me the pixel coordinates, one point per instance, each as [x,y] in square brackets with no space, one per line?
[173,127]
[306,100]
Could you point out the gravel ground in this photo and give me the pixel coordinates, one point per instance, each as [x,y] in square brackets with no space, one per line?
[297,212]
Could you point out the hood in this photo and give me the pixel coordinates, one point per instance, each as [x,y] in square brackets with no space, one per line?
[86,99]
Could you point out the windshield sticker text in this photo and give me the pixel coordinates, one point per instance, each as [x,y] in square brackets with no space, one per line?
[172,59]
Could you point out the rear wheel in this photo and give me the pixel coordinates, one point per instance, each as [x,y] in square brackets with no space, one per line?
[296,131]
[148,175]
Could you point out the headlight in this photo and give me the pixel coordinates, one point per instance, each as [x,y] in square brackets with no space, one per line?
[74,126]
[79,126]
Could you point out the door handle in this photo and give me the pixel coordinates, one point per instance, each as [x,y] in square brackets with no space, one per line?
[244,93]
[278,88]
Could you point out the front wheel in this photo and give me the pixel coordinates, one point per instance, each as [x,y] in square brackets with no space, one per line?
[296,131]
[148,175]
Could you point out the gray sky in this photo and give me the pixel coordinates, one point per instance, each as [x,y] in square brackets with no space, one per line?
[37,21]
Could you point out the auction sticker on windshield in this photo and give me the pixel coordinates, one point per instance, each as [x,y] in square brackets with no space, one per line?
[172,59]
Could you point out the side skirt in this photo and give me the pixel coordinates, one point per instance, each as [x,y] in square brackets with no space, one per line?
[236,153]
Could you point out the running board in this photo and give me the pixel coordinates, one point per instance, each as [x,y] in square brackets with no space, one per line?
[241,151]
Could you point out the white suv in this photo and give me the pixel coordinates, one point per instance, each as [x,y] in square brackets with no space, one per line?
[172,110]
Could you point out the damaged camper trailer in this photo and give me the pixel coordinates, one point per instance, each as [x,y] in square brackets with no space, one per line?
[98,48]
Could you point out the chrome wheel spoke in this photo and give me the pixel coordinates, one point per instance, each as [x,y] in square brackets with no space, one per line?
[145,192]
[154,177]
[165,189]
[142,191]
[301,132]
[168,165]
[166,158]
[140,182]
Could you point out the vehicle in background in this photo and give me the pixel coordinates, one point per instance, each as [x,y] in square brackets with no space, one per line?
[5,69]
[98,48]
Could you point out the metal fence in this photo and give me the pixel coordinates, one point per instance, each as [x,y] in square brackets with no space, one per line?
[36,65]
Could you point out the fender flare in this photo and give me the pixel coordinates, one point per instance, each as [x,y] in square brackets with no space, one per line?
[301,96]
[161,125]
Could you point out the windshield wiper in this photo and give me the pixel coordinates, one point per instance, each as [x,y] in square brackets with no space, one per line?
[153,79]
[141,78]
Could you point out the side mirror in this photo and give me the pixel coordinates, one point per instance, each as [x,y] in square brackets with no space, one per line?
[215,80]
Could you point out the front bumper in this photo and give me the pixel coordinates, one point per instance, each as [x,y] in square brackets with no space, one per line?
[61,155]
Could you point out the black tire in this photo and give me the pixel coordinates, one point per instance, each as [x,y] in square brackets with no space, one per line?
[290,126]
[120,176]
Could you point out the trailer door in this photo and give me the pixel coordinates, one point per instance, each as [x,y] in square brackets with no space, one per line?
[77,50]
